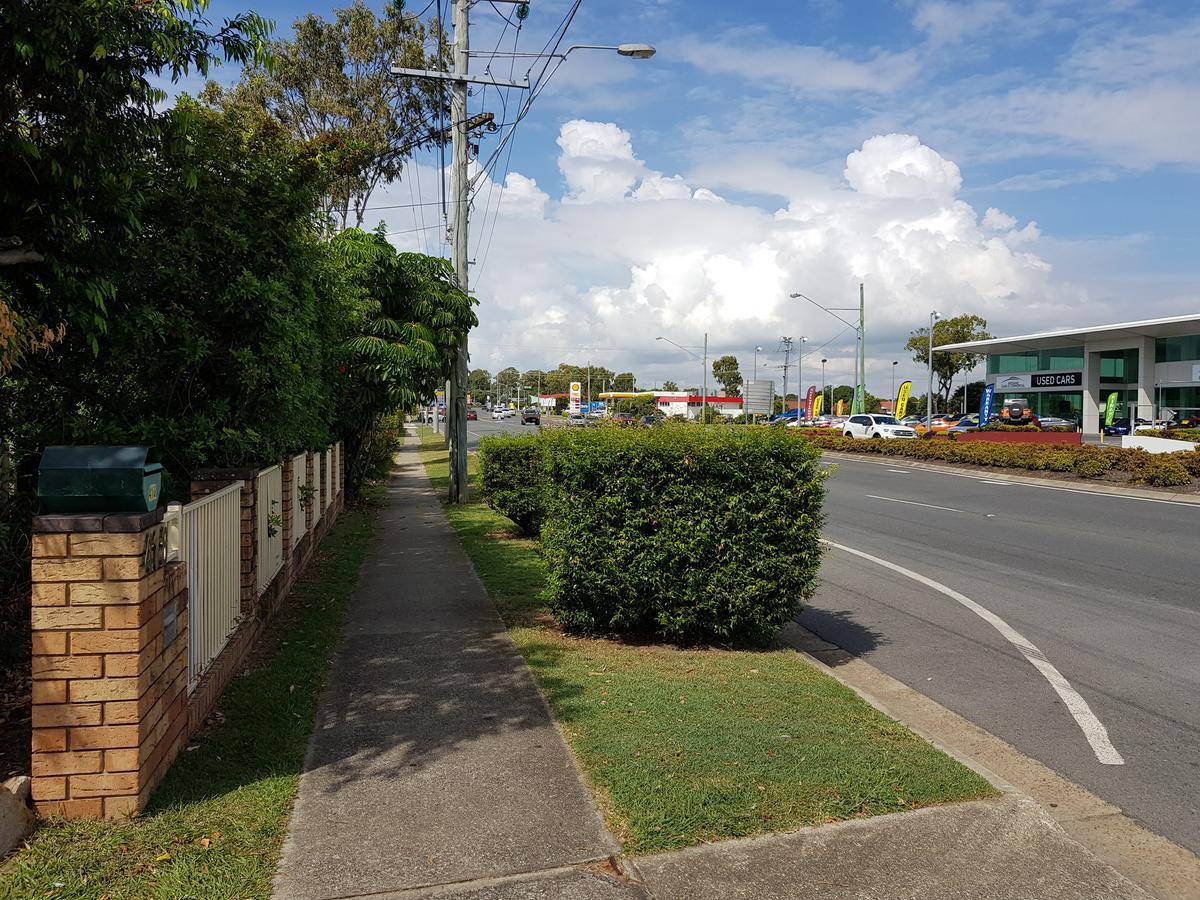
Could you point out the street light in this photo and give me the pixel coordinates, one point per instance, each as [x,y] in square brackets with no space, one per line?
[895,362]
[933,317]
[703,367]
[757,350]
[828,402]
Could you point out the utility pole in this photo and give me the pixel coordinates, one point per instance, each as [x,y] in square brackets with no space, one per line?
[787,350]
[704,389]
[458,116]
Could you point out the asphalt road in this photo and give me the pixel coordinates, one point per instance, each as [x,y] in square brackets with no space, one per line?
[1107,588]
[486,426]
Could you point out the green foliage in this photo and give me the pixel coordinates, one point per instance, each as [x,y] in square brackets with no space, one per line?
[670,386]
[682,533]
[81,124]
[947,366]
[331,86]
[1085,461]
[725,371]
[511,479]
[1165,472]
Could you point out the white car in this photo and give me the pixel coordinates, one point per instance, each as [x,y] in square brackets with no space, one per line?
[865,427]
[497,413]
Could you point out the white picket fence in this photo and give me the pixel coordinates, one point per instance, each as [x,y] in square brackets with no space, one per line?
[269,525]
[206,534]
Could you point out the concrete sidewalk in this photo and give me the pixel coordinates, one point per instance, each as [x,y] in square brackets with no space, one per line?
[434,759]
[435,770]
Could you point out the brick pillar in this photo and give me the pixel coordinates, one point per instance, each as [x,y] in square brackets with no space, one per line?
[285,510]
[209,480]
[310,513]
[110,662]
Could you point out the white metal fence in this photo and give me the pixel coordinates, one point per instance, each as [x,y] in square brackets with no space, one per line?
[317,506]
[327,479]
[269,525]
[299,481]
[206,534]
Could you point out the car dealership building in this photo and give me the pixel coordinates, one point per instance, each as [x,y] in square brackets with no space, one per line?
[1153,366]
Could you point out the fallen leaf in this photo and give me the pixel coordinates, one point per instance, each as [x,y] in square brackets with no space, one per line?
[162,857]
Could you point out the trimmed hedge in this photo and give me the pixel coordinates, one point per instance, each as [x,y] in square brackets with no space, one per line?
[510,479]
[1087,461]
[679,533]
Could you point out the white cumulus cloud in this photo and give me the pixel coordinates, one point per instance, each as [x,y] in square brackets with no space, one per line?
[899,165]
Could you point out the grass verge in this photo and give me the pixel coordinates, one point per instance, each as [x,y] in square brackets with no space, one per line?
[684,746]
[216,824]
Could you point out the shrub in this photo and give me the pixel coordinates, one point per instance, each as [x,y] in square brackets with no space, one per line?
[511,480]
[683,533]
[1092,465]
[1165,472]
[1190,461]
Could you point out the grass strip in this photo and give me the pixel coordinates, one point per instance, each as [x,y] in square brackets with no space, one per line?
[216,825]
[685,746]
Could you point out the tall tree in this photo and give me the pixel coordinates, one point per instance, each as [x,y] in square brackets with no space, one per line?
[725,371]
[947,366]
[479,383]
[507,380]
[625,381]
[670,386]
[81,118]
[332,84]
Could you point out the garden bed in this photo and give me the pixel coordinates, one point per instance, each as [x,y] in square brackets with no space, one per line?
[1068,438]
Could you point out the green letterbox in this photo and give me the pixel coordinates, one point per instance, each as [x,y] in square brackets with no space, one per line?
[99,480]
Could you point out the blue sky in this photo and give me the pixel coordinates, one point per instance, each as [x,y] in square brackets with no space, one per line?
[1038,163]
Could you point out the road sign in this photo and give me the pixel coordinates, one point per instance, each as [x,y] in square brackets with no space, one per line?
[759,397]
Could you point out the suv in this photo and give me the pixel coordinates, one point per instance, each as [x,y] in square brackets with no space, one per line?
[531,415]
[875,426]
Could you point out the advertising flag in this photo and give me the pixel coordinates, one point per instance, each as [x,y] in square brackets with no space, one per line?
[860,399]
[817,404]
[1110,408]
[808,402]
[902,400]
[985,407]
[841,408]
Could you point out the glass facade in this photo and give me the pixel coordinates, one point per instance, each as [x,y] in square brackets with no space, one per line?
[1177,349]
[1061,359]
[1184,400]
[1119,367]
[1063,404]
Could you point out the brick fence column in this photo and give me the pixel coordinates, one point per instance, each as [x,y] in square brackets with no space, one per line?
[109,634]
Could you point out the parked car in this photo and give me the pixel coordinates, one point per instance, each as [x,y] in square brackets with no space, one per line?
[576,419]
[966,423]
[648,421]
[472,416]
[1121,426]
[1056,422]
[531,415]
[865,427]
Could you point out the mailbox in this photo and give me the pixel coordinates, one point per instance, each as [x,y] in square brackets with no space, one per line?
[99,479]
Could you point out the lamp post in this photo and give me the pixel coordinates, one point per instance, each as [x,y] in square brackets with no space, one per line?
[757,350]
[703,363]
[895,362]
[933,317]
[860,354]
[826,402]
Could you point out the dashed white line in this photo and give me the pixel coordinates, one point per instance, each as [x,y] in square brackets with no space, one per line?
[1093,729]
[915,503]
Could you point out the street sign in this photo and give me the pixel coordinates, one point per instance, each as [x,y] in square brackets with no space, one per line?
[758,397]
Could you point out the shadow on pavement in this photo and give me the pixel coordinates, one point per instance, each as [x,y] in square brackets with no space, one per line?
[841,629]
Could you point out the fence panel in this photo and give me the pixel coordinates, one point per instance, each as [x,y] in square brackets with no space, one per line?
[299,482]
[317,505]
[326,491]
[206,534]
[269,524]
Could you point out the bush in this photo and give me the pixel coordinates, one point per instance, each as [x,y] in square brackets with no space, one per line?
[1165,472]
[682,533]
[1091,466]
[511,480]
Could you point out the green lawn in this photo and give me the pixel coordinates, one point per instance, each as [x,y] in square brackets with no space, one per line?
[216,825]
[688,746]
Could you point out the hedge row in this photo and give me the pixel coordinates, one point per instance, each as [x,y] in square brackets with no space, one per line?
[682,533]
[1088,461]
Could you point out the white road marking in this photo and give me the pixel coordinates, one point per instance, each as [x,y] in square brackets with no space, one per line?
[1001,483]
[900,471]
[915,503]
[1093,729]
